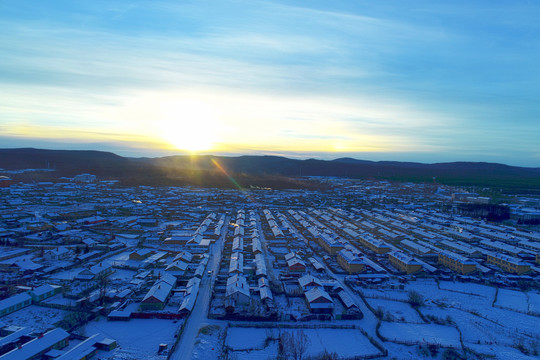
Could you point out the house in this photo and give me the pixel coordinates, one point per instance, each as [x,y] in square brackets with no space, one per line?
[256,247]
[185,256]
[177,268]
[36,348]
[188,303]
[296,264]
[89,243]
[319,301]
[59,253]
[308,282]
[404,262]
[350,261]
[456,262]
[141,254]
[416,248]
[331,246]
[44,292]
[377,246]
[14,303]
[347,300]
[84,178]
[156,298]
[264,291]
[92,220]
[237,289]
[509,264]
[260,265]
[97,270]
[83,350]
[236,264]
[5,182]
[238,244]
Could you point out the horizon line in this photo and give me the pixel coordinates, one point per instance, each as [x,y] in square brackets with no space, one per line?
[263,154]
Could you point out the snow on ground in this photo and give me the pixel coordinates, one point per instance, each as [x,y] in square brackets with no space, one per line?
[421,333]
[474,328]
[208,344]
[401,311]
[387,294]
[66,274]
[501,352]
[35,317]
[269,352]
[123,275]
[516,323]
[59,299]
[460,300]
[137,338]
[405,352]
[534,302]
[468,288]
[240,338]
[345,342]
[514,300]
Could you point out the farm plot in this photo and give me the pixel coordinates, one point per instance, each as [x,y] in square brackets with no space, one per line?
[35,317]
[257,342]
[513,300]
[396,310]
[137,339]
[445,336]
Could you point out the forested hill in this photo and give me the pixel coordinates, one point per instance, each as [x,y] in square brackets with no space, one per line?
[207,170]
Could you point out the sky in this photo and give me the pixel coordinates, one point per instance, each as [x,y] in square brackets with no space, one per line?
[419,80]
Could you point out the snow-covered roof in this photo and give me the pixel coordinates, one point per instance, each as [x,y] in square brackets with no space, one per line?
[44,289]
[37,345]
[317,293]
[237,283]
[14,300]
[309,280]
[159,291]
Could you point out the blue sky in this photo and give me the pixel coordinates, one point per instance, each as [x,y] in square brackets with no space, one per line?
[427,81]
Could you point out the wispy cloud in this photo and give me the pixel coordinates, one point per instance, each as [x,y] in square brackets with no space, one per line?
[364,77]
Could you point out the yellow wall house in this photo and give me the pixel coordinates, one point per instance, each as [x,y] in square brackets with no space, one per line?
[508,263]
[456,262]
[377,246]
[404,262]
[350,262]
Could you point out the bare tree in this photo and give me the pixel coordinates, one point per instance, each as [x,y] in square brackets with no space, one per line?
[294,344]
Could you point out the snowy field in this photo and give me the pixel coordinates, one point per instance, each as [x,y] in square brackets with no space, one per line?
[137,338]
[468,288]
[208,344]
[66,274]
[385,294]
[35,317]
[59,299]
[122,275]
[500,352]
[446,336]
[534,303]
[399,310]
[345,342]
[475,329]
[513,300]
[488,329]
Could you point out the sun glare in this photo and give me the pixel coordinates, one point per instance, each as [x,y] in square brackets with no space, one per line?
[189,125]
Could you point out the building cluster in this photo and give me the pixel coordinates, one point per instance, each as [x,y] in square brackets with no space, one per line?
[102,249]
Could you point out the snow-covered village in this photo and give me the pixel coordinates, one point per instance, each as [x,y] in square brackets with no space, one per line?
[92,269]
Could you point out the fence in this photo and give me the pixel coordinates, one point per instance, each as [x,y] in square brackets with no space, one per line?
[166,316]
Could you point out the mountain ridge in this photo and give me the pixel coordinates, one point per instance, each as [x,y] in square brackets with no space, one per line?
[108,164]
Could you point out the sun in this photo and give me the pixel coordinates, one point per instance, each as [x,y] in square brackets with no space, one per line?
[189,125]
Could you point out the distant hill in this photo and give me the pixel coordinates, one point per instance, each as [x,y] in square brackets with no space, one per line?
[264,170]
